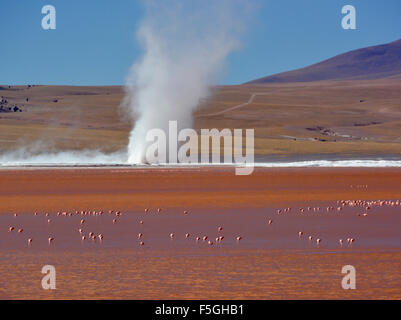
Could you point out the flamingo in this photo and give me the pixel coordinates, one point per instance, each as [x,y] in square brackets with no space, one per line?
[210,243]
[10,229]
[20,230]
[29,241]
[197,239]
[204,238]
[159,210]
[185,212]
[140,235]
[187,235]
[82,221]
[318,241]
[300,233]
[141,222]
[171,235]
[220,229]
[341,242]
[270,221]
[100,237]
[146,210]
[310,238]
[239,239]
[15,214]
[114,220]
[142,243]
[51,239]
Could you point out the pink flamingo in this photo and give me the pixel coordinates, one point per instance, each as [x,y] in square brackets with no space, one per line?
[51,239]
[29,241]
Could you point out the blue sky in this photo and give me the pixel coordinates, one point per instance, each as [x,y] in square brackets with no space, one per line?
[94,42]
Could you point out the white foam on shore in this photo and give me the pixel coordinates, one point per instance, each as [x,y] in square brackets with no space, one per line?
[93,159]
[334,163]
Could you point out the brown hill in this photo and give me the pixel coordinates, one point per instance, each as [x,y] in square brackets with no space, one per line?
[377,62]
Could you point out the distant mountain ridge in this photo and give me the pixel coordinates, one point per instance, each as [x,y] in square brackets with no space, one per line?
[376,62]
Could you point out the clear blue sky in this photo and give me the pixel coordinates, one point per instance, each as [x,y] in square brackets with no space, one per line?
[94,43]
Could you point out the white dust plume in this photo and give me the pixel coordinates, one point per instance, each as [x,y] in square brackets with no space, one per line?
[186,44]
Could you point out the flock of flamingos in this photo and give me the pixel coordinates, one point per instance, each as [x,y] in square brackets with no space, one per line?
[363,208]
